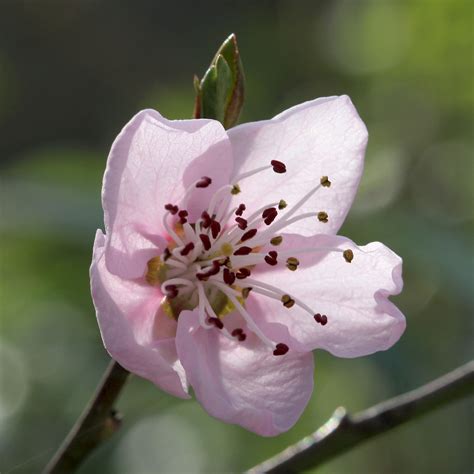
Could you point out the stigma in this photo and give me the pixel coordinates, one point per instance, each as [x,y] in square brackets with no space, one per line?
[209,261]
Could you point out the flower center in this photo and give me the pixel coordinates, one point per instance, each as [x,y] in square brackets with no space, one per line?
[208,264]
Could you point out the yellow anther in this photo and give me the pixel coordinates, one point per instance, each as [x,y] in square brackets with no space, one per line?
[282,204]
[276,240]
[325,182]
[246,291]
[155,269]
[292,263]
[348,255]
[235,189]
[323,216]
[287,301]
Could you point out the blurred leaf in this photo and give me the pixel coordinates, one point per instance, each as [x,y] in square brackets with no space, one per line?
[220,93]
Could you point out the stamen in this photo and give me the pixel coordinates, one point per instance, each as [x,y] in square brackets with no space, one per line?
[235,189]
[239,334]
[243,273]
[269,215]
[204,182]
[172,209]
[240,210]
[227,249]
[228,276]
[325,181]
[170,231]
[206,219]
[243,251]
[206,241]
[348,255]
[321,319]
[245,292]
[271,258]
[278,166]
[282,204]
[276,240]
[241,222]
[288,301]
[322,216]
[292,263]
[182,216]
[171,291]
[215,229]
[248,319]
[187,249]
[166,254]
[213,270]
[280,349]
[248,235]
[217,323]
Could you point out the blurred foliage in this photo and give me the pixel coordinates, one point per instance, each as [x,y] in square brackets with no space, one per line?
[73,73]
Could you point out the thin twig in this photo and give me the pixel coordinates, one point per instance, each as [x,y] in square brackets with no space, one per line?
[98,422]
[343,431]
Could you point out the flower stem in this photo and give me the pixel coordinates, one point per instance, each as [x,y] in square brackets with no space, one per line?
[343,431]
[98,421]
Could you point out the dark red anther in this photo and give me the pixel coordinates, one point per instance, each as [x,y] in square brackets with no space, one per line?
[321,319]
[204,182]
[278,166]
[215,228]
[239,334]
[243,273]
[166,254]
[206,219]
[206,241]
[281,349]
[187,249]
[243,251]
[269,215]
[213,270]
[217,323]
[240,210]
[241,222]
[182,216]
[171,291]
[172,209]
[273,254]
[270,261]
[248,235]
[229,277]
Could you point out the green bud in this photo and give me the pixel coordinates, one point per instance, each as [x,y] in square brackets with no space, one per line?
[220,93]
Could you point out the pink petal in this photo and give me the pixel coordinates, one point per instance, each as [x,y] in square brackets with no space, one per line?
[353,296]
[243,382]
[126,315]
[323,137]
[151,163]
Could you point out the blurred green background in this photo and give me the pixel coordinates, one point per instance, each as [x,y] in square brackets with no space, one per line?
[72,73]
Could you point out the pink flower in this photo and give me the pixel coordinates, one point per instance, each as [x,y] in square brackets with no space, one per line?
[220,266]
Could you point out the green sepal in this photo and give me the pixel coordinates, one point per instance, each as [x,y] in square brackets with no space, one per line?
[220,93]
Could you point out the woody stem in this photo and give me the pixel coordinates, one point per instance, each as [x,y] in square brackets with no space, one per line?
[98,422]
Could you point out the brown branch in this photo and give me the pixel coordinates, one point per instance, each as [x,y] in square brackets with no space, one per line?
[343,431]
[98,422]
